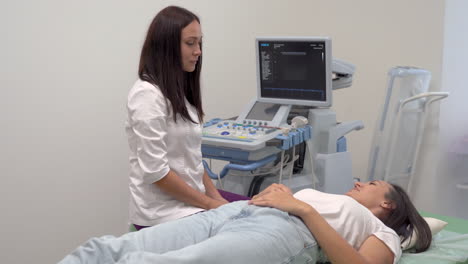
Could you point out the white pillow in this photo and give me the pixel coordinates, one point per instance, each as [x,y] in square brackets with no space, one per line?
[434,224]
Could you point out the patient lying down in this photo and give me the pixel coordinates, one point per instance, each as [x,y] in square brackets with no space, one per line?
[363,226]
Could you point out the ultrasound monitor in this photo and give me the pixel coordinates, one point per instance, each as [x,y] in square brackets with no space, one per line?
[294,70]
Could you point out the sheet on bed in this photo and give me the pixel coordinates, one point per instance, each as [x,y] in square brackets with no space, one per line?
[447,248]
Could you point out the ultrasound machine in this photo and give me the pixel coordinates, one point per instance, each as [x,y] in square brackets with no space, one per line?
[288,133]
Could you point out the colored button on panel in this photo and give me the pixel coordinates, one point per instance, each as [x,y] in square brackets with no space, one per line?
[242,137]
[225,133]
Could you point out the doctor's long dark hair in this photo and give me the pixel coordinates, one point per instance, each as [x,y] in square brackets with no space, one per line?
[161,62]
[405,218]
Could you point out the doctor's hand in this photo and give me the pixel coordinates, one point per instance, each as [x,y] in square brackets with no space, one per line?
[217,202]
[280,197]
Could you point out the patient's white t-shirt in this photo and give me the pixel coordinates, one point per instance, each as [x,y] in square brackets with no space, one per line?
[354,222]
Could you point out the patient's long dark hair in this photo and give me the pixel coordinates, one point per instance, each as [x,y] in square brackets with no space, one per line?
[404,218]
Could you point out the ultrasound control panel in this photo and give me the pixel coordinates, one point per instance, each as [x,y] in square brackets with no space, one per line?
[257,124]
[233,131]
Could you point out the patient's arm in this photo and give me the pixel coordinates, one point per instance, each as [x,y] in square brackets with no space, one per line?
[375,251]
[337,249]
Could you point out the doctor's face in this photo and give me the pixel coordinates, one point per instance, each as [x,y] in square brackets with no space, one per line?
[370,194]
[190,46]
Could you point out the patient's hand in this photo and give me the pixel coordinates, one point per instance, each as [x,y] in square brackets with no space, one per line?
[273,188]
[280,197]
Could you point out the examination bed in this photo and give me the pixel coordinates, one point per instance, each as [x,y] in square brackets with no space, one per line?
[449,246]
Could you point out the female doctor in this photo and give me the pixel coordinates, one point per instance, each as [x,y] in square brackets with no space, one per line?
[167,177]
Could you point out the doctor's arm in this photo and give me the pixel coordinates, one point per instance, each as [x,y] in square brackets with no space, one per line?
[210,189]
[152,150]
[336,247]
[173,185]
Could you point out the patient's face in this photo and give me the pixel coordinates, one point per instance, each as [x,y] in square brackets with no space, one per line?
[370,194]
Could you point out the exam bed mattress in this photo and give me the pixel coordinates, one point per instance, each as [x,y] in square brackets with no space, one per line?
[448,246]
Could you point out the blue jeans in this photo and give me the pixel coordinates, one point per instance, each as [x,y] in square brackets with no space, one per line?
[234,233]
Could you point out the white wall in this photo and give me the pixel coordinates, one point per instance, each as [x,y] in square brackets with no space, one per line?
[442,195]
[66,67]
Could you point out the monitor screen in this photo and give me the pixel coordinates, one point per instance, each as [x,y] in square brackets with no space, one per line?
[294,70]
